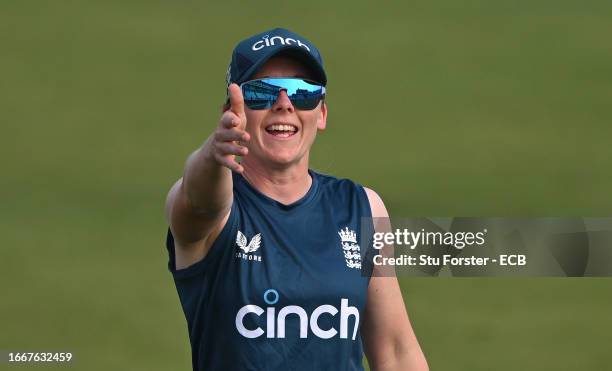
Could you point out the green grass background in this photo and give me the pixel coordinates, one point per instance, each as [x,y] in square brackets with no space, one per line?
[475,108]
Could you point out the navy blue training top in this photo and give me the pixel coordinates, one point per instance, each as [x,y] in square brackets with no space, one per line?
[282,287]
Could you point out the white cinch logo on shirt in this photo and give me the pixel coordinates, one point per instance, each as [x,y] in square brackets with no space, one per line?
[352,251]
[275,323]
[270,41]
[248,247]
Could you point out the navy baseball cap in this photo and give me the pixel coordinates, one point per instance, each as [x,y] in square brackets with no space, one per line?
[251,53]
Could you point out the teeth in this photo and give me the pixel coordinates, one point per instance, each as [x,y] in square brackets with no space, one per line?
[278,127]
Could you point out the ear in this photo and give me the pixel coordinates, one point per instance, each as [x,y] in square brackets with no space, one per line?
[322,120]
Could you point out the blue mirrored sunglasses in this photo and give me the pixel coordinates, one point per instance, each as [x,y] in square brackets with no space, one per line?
[262,93]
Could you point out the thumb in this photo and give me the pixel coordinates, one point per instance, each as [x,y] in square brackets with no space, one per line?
[236,99]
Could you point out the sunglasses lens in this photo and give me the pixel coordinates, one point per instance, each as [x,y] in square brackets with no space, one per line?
[258,96]
[262,93]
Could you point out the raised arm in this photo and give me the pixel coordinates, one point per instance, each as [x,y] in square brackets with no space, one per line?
[389,341]
[198,204]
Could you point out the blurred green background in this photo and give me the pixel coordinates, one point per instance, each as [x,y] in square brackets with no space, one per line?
[475,108]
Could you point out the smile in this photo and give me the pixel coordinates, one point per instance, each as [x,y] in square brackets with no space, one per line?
[282,130]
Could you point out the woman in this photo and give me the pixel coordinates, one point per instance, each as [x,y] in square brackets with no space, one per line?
[264,252]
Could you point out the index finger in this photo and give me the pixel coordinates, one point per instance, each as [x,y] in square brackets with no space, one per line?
[236,99]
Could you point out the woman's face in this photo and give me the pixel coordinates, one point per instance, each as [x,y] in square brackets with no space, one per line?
[268,144]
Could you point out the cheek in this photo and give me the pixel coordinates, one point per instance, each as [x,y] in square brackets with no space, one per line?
[309,122]
[254,119]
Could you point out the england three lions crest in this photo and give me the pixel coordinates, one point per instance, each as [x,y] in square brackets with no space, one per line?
[350,248]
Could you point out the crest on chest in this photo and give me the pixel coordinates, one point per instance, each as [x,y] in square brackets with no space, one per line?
[350,248]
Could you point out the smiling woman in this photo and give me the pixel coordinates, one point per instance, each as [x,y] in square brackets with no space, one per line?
[268,232]
[285,132]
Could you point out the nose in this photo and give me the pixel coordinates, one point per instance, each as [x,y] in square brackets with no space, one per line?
[283,103]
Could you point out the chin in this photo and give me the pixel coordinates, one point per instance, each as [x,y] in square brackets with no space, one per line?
[283,160]
[283,157]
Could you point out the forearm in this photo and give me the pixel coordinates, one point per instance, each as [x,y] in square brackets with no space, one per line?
[206,184]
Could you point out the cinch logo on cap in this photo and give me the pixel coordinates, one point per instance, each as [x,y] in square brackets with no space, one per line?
[271,41]
[275,324]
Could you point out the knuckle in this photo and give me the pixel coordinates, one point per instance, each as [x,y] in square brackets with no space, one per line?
[224,149]
[230,148]
[227,117]
[224,117]
[218,152]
